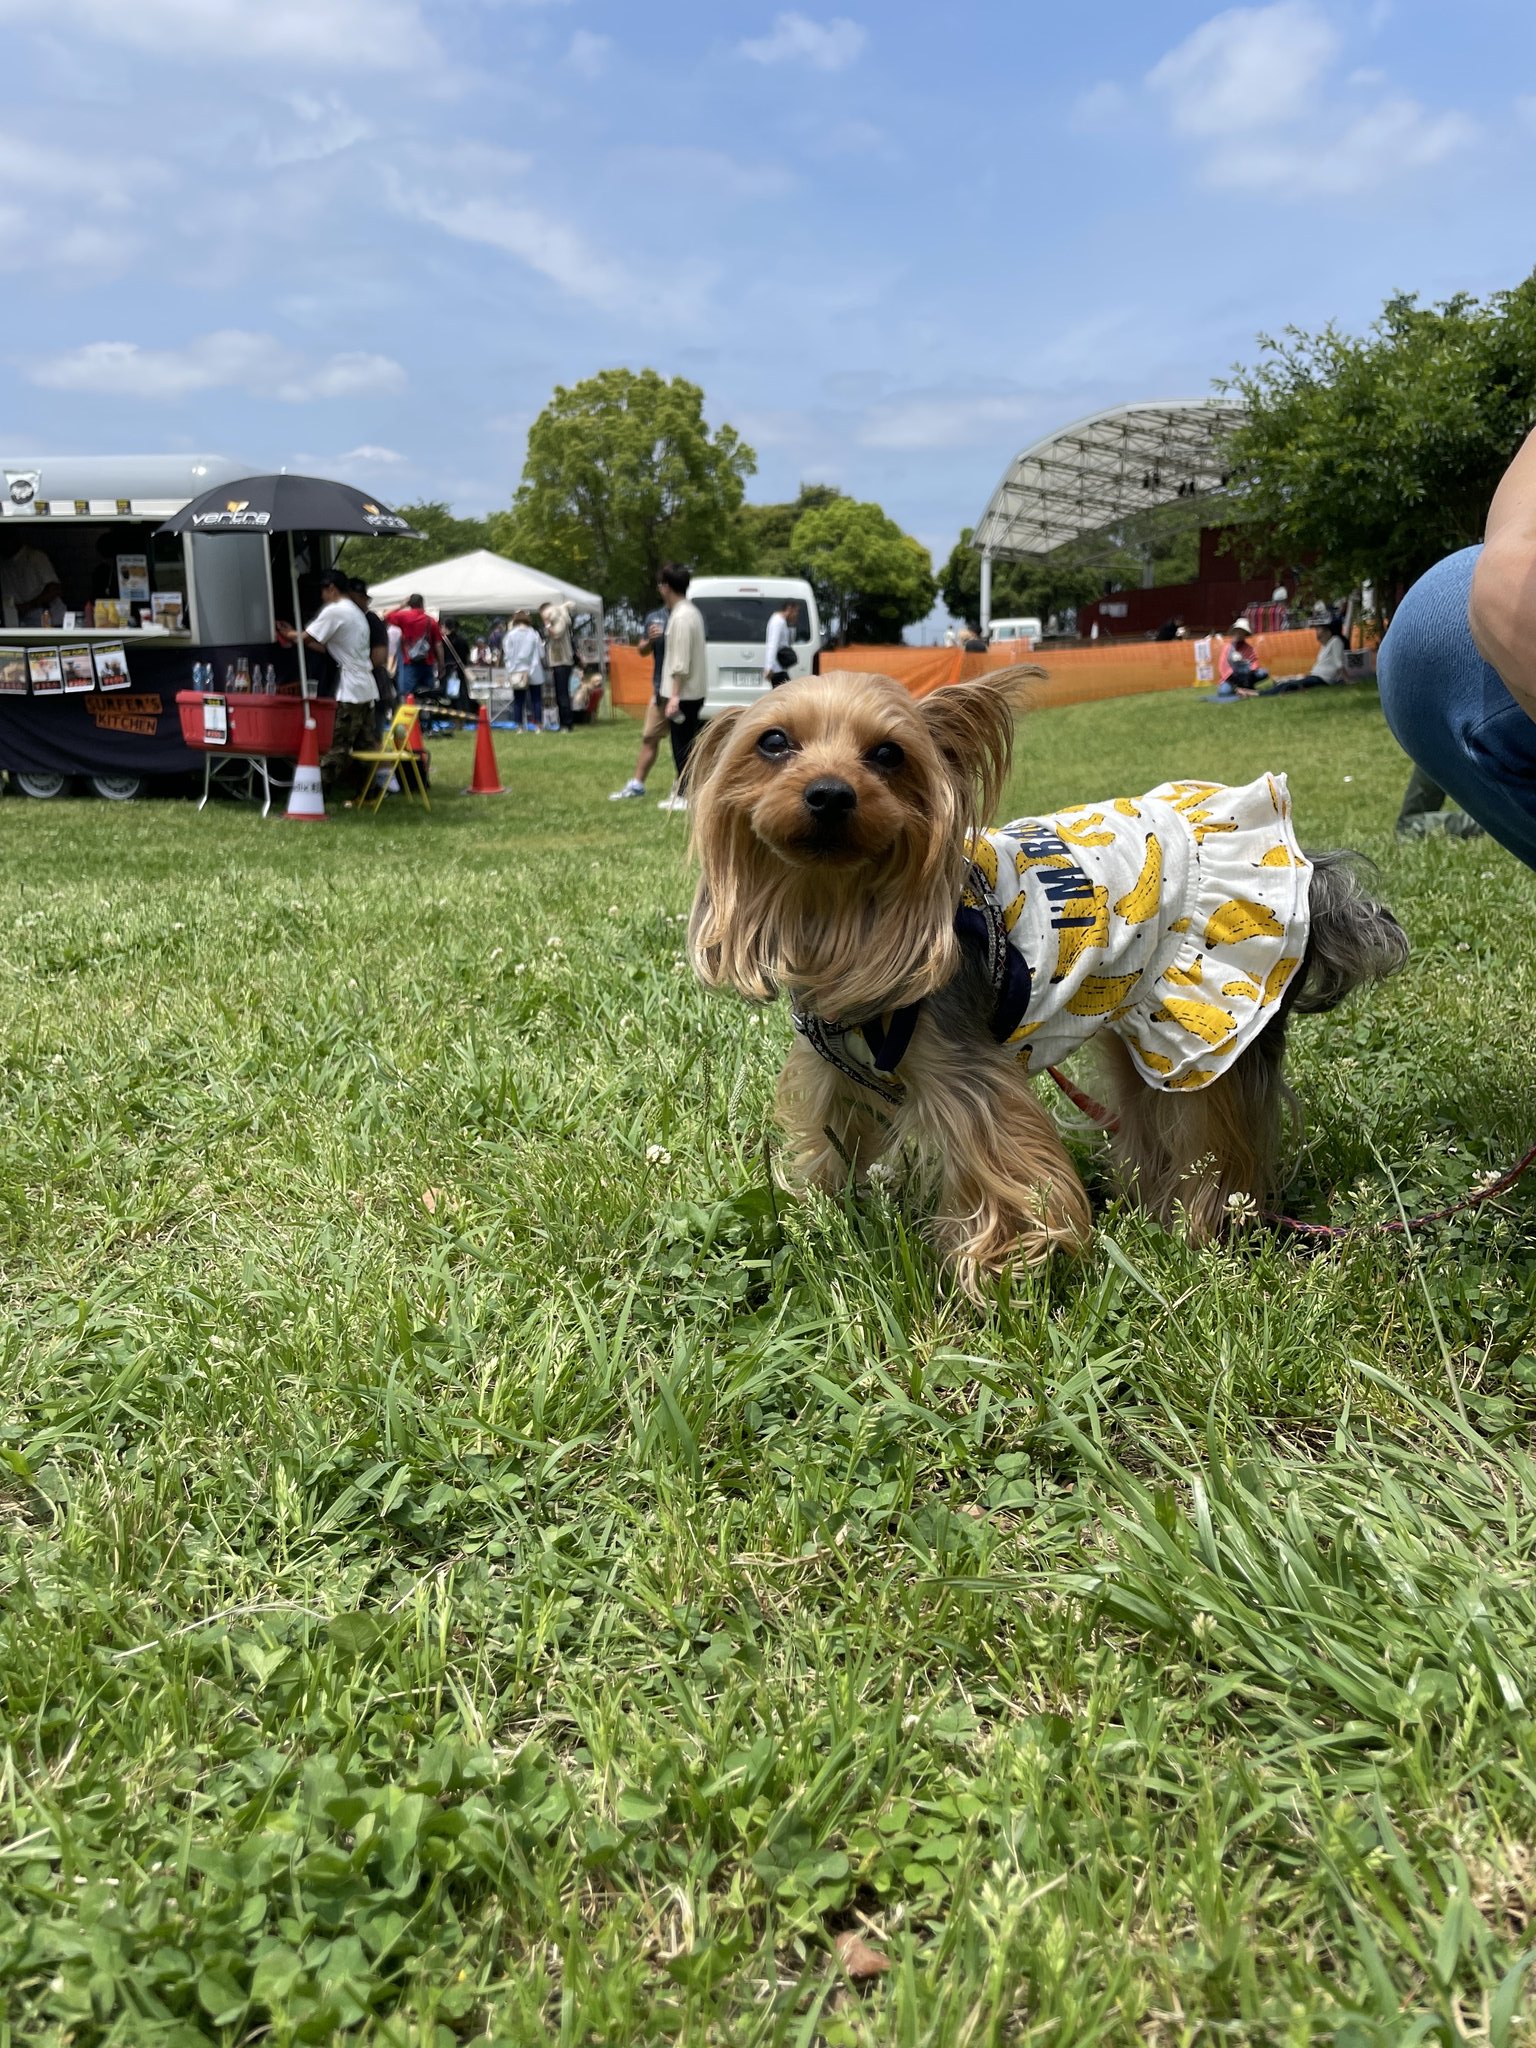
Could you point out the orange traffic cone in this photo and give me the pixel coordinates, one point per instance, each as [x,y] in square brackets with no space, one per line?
[487,777]
[416,746]
[306,799]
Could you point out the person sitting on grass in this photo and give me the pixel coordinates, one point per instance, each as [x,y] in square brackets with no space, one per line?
[1327,669]
[1240,674]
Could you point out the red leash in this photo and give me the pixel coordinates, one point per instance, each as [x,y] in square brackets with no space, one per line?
[1101,1116]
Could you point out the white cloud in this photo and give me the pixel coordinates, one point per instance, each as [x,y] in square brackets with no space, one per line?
[1101,107]
[233,358]
[589,53]
[1374,150]
[370,35]
[460,192]
[1279,62]
[107,180]
[796,39]
[371,452]
[1259,61]
[947,420]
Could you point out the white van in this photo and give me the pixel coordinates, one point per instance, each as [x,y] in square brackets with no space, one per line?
[736,611]
[1026,630]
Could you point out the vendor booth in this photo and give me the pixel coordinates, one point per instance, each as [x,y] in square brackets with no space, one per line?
[105,616]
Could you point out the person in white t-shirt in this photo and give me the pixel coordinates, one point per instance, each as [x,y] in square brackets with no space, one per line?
[781,624]
[340,630]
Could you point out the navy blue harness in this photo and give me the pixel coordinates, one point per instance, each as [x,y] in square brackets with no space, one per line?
[980,928]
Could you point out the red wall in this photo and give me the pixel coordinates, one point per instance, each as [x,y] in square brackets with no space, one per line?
[1219,594]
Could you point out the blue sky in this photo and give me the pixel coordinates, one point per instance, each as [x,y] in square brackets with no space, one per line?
[892,242]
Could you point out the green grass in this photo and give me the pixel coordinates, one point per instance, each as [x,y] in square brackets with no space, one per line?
[480,1565]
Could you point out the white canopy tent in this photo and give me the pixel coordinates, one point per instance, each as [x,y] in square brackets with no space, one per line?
[478,583]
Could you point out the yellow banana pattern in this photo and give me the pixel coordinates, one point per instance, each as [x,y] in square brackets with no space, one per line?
[1175,919]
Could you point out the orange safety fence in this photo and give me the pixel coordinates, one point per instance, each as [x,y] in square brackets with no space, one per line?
[1073,675]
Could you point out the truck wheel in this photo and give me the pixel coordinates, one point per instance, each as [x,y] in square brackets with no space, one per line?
[42,787]
[117,789]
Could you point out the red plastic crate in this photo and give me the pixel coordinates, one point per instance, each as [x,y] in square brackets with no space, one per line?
[260,722]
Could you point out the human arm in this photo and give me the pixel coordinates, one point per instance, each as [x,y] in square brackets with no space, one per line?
[1502,607]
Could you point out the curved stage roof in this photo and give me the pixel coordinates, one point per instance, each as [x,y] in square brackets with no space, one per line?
[1103,468]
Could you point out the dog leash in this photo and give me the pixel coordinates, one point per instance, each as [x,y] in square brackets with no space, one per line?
[1101,1116]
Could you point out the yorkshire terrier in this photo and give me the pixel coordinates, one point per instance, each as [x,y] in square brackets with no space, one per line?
[933,965]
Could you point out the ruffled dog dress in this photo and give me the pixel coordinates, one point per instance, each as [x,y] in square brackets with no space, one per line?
[1175,920]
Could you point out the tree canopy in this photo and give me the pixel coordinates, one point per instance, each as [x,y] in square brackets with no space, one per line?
[1368,459]
[446,535]
[622,474]
[767,531]
[870,578]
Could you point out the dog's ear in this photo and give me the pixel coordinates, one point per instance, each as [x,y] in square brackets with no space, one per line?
[708,745]
[972,727]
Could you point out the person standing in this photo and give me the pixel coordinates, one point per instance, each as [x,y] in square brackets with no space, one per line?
[779,653]
[420,638]
[30,592]
[653,641]
[340,630]
[686,668]
[378,653]
[559,655]
[524,655]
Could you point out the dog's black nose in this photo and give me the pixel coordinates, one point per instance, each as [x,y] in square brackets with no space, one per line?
[829,797]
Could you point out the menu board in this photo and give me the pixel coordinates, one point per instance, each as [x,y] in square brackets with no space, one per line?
[79,669]
[111,665]
[46,671]
[13,672]
[133,579]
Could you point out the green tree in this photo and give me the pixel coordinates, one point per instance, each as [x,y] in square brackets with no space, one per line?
[870,578]
[445,534]
[1368,459]
[623,474]
[766,530]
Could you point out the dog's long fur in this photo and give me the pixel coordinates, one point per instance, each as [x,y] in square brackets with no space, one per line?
[854,916]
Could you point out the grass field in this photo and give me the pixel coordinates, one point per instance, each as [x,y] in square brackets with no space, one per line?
[480,1565]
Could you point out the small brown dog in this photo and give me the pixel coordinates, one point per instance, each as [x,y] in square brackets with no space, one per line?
[932,965]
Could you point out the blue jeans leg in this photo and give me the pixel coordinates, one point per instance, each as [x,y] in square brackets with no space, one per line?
[1450,712]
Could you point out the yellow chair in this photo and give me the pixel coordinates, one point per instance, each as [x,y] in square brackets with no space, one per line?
[395,753]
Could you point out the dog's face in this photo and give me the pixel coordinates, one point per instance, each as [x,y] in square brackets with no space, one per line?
[829,821]
[835,775]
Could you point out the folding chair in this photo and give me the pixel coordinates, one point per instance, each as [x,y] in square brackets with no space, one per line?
[396,755]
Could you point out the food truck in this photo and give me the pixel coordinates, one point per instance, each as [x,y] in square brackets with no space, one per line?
[103,619]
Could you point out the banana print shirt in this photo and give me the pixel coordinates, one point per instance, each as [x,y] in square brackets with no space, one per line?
[1174,919]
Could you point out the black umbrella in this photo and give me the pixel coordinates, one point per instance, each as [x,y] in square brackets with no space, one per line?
[289,504]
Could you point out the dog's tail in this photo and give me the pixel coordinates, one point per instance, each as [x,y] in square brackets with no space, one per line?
[1354,938]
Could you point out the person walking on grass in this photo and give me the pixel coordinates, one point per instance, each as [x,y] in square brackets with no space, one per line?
[524,652]
[340,629]
[653,641]
[686,670]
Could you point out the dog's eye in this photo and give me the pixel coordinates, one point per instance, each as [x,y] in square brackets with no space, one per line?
[774,743]
[888,756]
